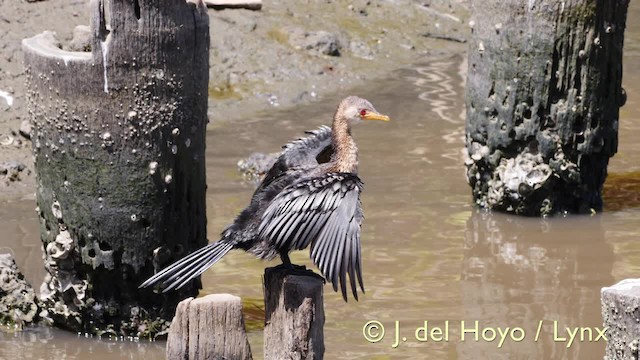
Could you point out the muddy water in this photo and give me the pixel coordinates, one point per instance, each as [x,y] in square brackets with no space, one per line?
[427,253]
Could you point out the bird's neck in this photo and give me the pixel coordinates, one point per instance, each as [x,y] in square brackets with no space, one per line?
[345,155]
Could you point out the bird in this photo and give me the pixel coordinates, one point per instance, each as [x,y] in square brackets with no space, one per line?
[309,197]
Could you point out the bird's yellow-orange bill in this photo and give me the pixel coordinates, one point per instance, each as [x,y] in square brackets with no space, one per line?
[376,116]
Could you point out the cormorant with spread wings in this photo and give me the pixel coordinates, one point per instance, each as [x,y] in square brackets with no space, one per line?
[310,196]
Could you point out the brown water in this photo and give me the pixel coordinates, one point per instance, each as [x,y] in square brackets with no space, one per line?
[427,253]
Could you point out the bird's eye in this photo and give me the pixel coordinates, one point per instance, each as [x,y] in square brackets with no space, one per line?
[363,112]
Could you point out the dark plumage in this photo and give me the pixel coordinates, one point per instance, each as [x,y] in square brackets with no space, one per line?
[310,196]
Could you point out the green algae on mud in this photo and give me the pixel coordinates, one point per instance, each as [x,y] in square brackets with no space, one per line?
[278,36]
[224,92]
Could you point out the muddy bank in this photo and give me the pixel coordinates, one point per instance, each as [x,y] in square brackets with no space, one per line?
[294,53]
[283,55]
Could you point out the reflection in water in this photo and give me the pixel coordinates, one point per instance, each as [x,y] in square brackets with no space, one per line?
[622,191]
[518,271]
[442,98]
[54,344]
[427,254]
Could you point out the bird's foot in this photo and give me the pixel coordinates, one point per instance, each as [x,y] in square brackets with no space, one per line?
[292,267]
[300,270]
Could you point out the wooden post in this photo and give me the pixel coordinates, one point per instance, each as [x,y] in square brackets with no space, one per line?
[211,327]
[620,313]
[234,4]
[294,314]
[543,97]
[178,338]
[118,140]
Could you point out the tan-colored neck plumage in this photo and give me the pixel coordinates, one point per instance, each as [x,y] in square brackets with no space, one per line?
[345,155]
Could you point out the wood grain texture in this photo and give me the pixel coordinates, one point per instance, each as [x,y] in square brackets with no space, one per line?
[294,314]
[211,327]
[178,337]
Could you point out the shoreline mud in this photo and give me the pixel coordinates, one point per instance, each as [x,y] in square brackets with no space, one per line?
[281,56]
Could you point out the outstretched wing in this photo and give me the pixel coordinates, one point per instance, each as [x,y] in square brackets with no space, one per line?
[324,212]
[302,153]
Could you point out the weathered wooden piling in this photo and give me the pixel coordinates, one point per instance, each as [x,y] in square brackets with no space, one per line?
[543,97]
[211,327]
[294,314]
[118,140]
[621,316]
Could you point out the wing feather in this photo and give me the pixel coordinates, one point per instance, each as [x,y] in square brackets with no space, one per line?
[323,212]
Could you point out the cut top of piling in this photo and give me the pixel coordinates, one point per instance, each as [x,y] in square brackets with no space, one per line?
[626,287]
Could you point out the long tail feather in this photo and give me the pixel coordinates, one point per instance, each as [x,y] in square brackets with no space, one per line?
[184,260]
[195,271]
[184,270]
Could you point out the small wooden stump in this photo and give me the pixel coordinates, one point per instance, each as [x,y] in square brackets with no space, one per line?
[294,314]
[621,314]
[211,327]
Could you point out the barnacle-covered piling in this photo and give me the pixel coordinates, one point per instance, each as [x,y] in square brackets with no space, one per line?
[620,312]
[543,98]
[118,141]
[18,303]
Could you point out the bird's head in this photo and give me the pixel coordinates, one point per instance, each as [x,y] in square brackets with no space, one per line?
[355,109]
